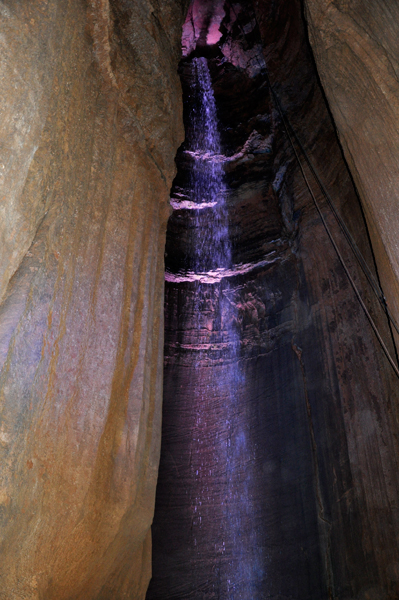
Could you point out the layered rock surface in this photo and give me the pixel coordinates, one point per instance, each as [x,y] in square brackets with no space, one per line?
[316,396]
[91,119]
[356,51]
[86,164]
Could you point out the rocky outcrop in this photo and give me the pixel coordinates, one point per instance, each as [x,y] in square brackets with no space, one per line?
[91,122]
[355,48]
[91,119]
[312,499]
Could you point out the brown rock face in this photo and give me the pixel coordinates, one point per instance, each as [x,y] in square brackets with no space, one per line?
[279,471]
[279,474]
[356,51]
[87,151]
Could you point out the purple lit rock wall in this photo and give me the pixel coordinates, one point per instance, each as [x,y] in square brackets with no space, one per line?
[304,508]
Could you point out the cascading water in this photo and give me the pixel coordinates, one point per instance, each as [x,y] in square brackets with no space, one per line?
[212,254]
[224,549]
[250,504]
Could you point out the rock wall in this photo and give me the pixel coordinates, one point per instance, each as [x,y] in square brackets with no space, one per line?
[91,119]
[316,396]
[368,566]
[91,122]
[356,51]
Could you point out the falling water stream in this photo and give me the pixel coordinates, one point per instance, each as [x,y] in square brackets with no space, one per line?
[237,516]
[213,247]
[222,530]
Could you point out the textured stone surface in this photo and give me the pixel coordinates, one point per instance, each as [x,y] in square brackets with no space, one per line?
[86,163]
[356,51]
[316,394]
[87,160]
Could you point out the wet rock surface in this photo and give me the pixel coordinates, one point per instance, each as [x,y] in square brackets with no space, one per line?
[315,394]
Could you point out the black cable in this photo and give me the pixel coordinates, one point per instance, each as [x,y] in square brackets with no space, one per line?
[370,277]
[370,318]
[362,262]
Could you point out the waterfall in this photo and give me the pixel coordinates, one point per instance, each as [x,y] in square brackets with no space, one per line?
[215,549]
[220,449]
[213,247]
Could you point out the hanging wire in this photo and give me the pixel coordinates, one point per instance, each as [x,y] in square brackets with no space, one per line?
[291,134]
[362,262]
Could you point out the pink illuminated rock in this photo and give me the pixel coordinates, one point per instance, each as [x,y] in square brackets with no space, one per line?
[202,24]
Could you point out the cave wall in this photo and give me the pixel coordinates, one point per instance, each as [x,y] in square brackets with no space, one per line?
[362,544]
[316,394]
[91,119]
[355,48]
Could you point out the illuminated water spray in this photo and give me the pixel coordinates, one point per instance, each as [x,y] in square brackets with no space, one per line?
[213,248]
[222,534]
